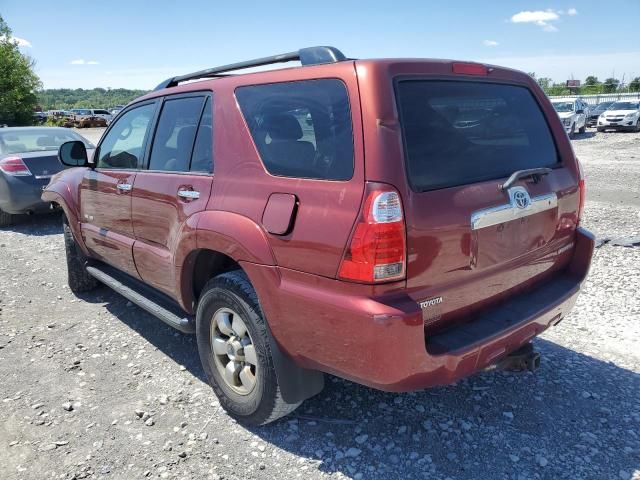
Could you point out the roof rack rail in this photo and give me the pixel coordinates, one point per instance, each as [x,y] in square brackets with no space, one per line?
[306,56]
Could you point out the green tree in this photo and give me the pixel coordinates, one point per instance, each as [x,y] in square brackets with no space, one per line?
[610,85]
[545,83]
[18,82]
[634,85]
[591,80]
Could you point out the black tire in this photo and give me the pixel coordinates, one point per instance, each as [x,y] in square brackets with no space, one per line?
[583,128]
[600,129]
[6,219]
[264,403]
[572,131]
[77,277]
[637,129]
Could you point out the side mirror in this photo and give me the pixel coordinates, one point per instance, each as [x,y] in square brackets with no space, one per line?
[73,154]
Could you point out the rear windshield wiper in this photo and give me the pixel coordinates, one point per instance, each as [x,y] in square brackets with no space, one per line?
[534,173]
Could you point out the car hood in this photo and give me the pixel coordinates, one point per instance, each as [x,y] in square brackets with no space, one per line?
[619,112]
[564,115]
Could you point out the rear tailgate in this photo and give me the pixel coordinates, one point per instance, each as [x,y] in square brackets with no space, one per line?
[471,244]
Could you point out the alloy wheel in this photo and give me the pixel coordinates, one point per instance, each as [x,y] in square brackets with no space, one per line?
[233,351]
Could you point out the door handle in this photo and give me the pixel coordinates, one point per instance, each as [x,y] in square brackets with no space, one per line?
[189,194]
[124,187]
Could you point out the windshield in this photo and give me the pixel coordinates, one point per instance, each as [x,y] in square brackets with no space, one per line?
[458,133]
[563,106]
[625,106]
[36,140]
[603,106]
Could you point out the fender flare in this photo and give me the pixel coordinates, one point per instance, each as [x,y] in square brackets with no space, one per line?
[220,231]
[59,192]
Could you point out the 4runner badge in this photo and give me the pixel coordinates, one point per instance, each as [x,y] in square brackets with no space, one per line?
[431,302]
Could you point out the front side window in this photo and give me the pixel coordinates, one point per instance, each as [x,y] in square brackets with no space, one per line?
[175,135]
[301,129]
[123,144]
[458,132]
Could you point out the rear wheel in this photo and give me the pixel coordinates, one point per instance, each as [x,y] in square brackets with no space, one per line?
[233,344]
[6,219]
[77,276]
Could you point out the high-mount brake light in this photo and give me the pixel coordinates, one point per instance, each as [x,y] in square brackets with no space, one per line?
[377,250]
[470,69]
[14,166]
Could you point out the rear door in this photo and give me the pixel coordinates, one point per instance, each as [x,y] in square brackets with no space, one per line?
[175,184]
[105,193]
[471,242]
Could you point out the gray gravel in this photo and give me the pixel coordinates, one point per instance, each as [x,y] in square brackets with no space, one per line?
[95,387]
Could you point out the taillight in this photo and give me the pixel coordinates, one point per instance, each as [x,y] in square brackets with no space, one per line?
[14,166]
[377,250]
[469,69]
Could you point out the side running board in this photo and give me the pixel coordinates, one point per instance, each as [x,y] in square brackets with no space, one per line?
[142,295]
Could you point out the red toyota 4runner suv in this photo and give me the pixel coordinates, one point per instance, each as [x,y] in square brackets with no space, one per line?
[399,223]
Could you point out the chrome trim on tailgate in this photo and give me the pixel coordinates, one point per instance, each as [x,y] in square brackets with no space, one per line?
[513,210]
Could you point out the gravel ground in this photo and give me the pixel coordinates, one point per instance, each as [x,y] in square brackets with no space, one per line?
[94,387]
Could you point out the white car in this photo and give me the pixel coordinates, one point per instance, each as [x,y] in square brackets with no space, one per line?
[622,115]
[573,112]
[80,113]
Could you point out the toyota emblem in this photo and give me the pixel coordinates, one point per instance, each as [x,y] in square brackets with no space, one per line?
[521,199]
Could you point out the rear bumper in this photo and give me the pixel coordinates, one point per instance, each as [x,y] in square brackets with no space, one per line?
[22,194]
[380,341]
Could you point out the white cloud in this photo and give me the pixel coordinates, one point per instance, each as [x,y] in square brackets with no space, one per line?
[81,61]
[20,41]
[542,18]
[490,43]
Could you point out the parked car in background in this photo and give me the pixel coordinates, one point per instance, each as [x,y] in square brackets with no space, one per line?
[400,223]
[28,159]
[573,112]
[596,111]
[623,115]
[39,117]
[116,110]
[91,117]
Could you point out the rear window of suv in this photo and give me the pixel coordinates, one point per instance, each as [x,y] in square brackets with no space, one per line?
[460,132]
[301,129]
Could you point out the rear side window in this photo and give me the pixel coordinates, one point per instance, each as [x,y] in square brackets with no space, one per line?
[301,129]
[458,133]
[175,135]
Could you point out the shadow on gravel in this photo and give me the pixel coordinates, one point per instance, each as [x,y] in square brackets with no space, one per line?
[38,225]
[577,417]
[583,136]
[180,347]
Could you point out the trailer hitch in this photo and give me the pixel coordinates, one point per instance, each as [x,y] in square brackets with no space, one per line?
[525,358]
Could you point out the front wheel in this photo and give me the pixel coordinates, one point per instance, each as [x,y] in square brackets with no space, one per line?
[233,344]
[637,129]
[583,128]
[77,276]
[572,131]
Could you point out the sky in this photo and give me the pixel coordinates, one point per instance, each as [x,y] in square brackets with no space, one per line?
[137,44]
